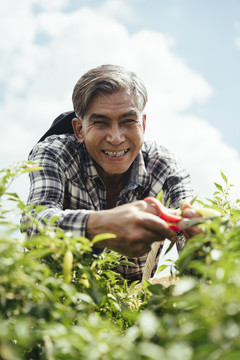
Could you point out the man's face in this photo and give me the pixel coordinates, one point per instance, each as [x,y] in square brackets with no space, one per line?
[112,130]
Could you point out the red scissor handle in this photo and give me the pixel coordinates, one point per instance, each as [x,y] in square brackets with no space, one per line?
[165,214]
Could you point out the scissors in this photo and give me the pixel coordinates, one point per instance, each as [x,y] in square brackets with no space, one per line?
[176,222]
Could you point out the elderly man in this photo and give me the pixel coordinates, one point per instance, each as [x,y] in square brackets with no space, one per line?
[97,169]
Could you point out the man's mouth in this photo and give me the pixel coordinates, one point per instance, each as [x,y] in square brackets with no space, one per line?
[115,153]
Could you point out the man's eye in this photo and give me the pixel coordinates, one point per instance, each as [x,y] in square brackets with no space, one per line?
[128,121]
[99,122]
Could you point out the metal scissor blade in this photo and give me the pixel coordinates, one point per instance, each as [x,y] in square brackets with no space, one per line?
[188,223]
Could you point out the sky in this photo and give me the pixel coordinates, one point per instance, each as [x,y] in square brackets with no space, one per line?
[186,51]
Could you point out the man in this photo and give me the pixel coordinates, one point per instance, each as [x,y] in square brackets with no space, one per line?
[97,169]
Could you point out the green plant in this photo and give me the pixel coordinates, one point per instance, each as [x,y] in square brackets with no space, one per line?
[56,297]
[221,197]
[59,301]
[200,315]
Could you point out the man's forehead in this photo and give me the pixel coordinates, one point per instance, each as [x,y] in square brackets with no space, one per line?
[121,102]
[94,116]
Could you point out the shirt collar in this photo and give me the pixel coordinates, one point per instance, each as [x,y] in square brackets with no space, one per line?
[139,175]
[87,163]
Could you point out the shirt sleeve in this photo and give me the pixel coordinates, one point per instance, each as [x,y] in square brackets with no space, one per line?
[47,188]
[177,186]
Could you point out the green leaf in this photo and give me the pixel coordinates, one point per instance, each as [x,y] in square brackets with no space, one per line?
[110,274]
[39,208]
[213,202]
[13,195]
[53,220]
[193,200]
[218,186]
[224,177]
[170,247]
[159,196]
[104,236]
[161,268]
[33,168]
[133,284]
[167,203]
[127,262]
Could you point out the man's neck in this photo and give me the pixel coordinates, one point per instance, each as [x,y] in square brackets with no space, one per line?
[115,181]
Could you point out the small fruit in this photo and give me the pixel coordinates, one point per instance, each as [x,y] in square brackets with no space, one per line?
[208,212]
[67,266]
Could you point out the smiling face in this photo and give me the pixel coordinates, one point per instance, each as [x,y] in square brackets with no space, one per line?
[112,130]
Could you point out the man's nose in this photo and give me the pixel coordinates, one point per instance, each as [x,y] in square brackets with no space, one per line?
[115,135]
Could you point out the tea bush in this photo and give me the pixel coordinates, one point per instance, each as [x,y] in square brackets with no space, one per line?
[59,301]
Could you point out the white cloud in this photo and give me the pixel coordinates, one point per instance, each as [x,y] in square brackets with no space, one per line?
[52,5]
[116,9]
[201,148]
[40,77]
[172,85]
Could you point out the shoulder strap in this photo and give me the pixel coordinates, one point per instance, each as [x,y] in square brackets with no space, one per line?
[61,125]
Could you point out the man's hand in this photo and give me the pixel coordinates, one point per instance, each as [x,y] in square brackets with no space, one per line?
[189,212]
[135,225]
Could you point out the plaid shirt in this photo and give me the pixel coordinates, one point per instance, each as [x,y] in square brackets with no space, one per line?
[71,188]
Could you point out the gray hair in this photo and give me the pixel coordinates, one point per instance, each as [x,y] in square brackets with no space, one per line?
[106,79]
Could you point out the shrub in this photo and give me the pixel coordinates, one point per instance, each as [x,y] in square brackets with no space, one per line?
[59,301]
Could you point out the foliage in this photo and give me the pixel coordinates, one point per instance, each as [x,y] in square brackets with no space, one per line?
[45,314]
[200,316]
[59,301]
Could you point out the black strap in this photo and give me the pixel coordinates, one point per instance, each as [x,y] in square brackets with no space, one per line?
[61,125]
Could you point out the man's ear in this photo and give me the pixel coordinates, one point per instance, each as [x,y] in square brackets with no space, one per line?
[144,118]
[78,130]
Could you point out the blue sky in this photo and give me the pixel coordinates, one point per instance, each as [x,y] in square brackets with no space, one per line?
[206,34]
[186,51]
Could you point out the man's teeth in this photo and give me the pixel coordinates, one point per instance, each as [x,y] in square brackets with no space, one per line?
[116,154]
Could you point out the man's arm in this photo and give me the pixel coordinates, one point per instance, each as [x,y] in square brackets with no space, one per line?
[47,188]
[135,225]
